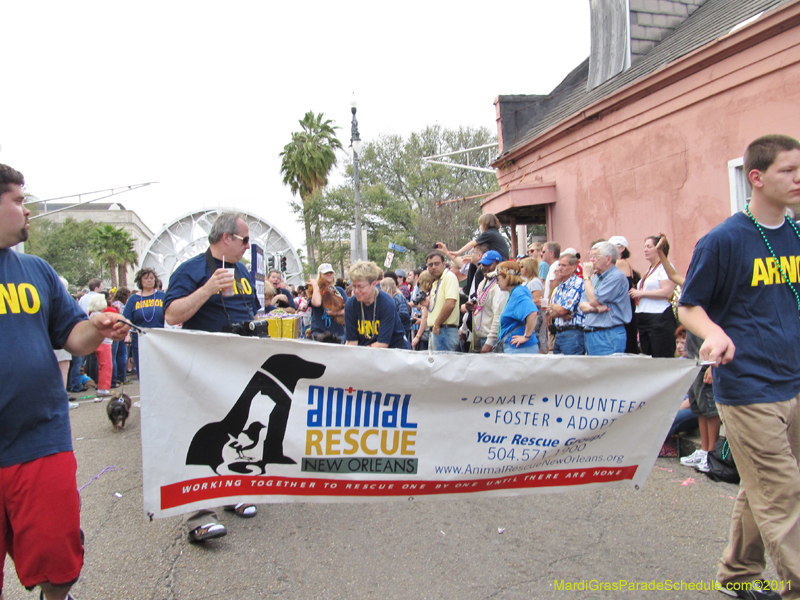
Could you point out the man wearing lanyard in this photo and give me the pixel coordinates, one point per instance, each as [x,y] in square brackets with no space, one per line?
[605,302]
[212,292]
[442,317]
[742,297]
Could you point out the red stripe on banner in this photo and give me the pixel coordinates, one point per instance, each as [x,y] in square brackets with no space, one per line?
[194,490]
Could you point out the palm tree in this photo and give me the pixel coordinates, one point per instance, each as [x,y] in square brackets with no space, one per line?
[306,162]
[112,246]
[129,257]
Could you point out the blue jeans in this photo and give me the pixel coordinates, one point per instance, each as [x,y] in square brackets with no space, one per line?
[569,342]
[684,421]
[446,341]
[508,348]
[605,341]
[74,384]
[119,358]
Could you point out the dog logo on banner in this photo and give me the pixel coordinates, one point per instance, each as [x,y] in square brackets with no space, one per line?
[223,445]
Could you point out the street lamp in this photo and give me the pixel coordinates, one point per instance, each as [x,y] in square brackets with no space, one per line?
[355,146]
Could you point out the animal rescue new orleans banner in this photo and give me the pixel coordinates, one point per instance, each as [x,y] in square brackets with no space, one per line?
[227,419]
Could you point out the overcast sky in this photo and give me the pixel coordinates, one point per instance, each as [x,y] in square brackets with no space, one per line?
[202,96]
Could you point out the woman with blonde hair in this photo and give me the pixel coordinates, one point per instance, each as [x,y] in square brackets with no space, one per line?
[390,287]
[371,318]
[518,319]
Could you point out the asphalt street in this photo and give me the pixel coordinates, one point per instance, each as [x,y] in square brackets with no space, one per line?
[673,530]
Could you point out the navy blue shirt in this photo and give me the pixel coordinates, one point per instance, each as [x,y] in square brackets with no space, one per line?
[144,311]
[193,274]
[321,322]
[36,316]
[733,277]
[378,322]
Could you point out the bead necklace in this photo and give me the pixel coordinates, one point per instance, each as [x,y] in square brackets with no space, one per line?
[152,314]
[772,252]
[481,302]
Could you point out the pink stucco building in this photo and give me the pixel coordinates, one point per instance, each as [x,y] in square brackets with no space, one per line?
[647,135]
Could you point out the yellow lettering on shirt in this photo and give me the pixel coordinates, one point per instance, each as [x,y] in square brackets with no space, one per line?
[365,328]
[16,299]
[244,283]
[148,303]
[789,265]
[767,271]
[774,272]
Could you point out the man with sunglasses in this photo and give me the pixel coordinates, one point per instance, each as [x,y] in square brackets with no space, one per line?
[210,292]
[442,313]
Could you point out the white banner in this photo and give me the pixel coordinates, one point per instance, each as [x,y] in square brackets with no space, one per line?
[227,419]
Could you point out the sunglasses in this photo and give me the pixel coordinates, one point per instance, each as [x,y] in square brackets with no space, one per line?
[244,239]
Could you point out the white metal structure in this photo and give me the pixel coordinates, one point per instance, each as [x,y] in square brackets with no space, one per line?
[187,236]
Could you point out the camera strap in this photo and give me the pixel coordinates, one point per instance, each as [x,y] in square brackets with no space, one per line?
[212,267]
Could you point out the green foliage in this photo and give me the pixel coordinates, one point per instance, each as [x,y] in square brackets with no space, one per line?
[306,162]
[67,247]
[399,195]
[113,247]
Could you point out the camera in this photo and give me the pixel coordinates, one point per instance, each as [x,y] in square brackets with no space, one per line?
[248,329]
[419,296]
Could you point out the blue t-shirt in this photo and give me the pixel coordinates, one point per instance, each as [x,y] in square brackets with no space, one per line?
[544,270]
[193,274]
[733,277]
[512,320]
[145,311]
[36,316]
[321,322]
[378,322]
[611,290]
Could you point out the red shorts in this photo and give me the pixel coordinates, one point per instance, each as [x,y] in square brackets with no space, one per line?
[40,524]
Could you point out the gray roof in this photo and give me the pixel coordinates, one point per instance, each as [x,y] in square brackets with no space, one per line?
[51,206]
[712,20]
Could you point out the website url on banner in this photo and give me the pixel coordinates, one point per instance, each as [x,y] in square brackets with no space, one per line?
[470,470]
[667,585]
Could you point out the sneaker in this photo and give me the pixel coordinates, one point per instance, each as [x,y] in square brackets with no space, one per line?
[103,393]
[137,404]
[695,458]
[753,590]
[703,466]
[73,405]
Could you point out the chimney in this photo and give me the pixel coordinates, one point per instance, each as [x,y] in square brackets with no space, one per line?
[624,31]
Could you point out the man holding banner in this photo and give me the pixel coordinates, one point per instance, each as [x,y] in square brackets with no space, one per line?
[40,527]
[742,297]
[213,292]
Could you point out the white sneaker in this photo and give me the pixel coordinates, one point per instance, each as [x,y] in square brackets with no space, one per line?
[73,405]
[695,458]
[703,466]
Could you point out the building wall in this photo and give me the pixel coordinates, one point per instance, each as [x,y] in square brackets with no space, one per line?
[660,164]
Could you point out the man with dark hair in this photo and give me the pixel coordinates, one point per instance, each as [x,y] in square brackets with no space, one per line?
[40,526]
[442,312]
[742,297]
[211,292]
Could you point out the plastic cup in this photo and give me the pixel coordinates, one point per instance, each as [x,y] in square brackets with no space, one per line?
[228,291]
